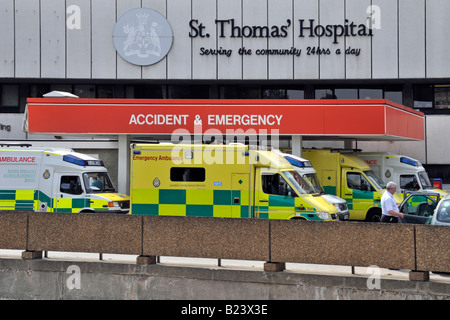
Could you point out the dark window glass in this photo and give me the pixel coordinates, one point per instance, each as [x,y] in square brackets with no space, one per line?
[187,174]
[71,185]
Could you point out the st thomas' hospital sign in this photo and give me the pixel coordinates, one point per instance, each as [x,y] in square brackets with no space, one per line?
[143,36]
[306,28]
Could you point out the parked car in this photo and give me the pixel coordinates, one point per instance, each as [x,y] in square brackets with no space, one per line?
[442,213]
[418,207]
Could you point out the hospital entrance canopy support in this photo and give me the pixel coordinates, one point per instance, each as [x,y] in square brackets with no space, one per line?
[338,119]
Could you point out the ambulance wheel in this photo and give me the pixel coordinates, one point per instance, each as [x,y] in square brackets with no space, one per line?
[86,211]
[374,215]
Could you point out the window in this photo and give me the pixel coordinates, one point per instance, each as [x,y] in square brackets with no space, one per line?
[370,94]
[325,94]
[9,98]
[71,185]
[423,97]
[276,185]
[84,91]
[187,174]
[442,97]
[188,92]
[346,93]
[357,181]
[282,93]
[394,96]
[96,182]
[409,182]
[240,92]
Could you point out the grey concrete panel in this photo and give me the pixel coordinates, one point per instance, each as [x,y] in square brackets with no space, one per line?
[179,59]
[358,66]
[78,39]
[229,67]
[385,41]
[7,35]
[27,39]
[412,39]
[103,51]
[254,13]
[53,39]
[204,66]
[437,35]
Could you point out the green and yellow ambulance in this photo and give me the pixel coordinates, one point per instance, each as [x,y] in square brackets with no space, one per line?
[347,176]
[233,181]
[56,180]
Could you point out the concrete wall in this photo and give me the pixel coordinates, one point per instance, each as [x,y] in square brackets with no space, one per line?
[45,279]
[423,247]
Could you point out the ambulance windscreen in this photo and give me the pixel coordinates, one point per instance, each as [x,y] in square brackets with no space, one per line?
[97,182]
[298,182]
[425,181]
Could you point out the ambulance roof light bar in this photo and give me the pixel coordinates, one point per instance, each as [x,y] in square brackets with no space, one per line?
[81,162]
[409,161]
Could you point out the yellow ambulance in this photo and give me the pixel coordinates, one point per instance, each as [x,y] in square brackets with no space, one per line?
[347,176]
[234,181]
[56,180]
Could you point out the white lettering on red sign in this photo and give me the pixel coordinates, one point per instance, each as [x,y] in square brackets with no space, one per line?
[159,119]
[244,120]
[18,159]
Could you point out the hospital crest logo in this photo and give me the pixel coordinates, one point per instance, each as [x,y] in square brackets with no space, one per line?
[142,36]
[46,174]
[156,182]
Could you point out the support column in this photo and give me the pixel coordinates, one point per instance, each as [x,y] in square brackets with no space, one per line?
[348,144]
[123,176]
[297,142]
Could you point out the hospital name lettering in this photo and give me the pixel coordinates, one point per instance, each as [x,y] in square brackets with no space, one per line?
[307,28]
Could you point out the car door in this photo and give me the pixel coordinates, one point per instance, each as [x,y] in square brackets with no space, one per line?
[418,208]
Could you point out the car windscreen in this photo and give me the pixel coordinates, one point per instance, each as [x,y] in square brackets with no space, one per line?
[443,213]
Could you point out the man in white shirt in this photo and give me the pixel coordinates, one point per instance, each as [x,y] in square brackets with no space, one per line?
[389,207]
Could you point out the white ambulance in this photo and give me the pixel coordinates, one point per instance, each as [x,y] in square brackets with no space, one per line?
[406,172]
[307,171]
[56,180]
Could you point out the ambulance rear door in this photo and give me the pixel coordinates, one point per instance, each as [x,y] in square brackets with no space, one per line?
[240,195]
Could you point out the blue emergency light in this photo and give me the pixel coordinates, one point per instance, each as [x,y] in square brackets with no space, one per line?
[298,163]
[409,161]
[81,162]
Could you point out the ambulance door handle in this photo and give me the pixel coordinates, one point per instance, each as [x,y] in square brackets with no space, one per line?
[236,200]
[348,194]
[263,200]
